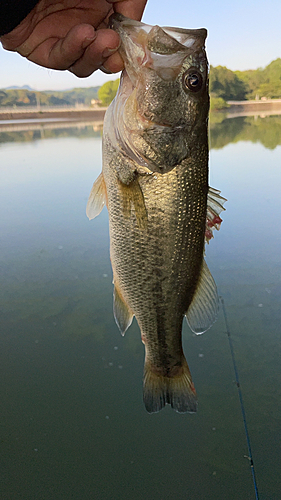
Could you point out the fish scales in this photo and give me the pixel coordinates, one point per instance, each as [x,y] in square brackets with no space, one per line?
[155,184]
[153,262]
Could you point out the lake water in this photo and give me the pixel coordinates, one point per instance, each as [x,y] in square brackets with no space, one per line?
[73,425]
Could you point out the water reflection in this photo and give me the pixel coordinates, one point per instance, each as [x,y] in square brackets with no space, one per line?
[31,130]
[223,130]
[61,375]
[265,130]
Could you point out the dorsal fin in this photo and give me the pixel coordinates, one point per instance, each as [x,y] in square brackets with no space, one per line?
[214,208]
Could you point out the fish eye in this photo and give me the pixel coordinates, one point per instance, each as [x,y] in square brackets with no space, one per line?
[193,80]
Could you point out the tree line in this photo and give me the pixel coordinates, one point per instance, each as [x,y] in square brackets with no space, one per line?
[224,84]
[27,97]
[243,85]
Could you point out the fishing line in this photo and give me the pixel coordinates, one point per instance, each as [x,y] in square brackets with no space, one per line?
[241,401]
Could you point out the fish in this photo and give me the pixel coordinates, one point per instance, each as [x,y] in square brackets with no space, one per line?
[154,182]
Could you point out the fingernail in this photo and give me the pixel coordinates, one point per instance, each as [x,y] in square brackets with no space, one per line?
[89,40]
[108,52]
[102,68]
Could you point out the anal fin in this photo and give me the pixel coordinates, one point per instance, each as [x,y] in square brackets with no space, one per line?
[203,310]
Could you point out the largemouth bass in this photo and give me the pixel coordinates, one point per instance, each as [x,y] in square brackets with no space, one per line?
[154,182]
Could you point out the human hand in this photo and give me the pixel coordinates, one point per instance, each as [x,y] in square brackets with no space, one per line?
[72,35]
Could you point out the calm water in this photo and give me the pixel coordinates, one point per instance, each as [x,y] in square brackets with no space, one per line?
[73,425]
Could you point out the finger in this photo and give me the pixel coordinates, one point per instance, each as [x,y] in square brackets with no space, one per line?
[61,53]
[83,50]
[99,53]
[129,8]
[113,64]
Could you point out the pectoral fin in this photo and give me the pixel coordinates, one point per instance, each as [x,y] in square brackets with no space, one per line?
[132,198]
[122,313]
[214,208]
[97,198]
[203,310]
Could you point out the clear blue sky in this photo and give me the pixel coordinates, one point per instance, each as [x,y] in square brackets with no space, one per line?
[243,34]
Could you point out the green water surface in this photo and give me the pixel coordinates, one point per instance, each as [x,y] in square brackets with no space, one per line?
[73,425]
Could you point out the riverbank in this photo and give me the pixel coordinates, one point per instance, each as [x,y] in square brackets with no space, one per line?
[236,108]
[249,108]
[80,114]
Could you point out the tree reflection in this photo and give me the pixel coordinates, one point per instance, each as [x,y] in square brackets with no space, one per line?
[265,130]
[223,131]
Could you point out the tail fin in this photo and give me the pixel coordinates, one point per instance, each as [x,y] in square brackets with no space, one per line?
[178,391]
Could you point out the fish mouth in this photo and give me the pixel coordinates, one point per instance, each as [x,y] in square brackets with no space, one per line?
[185,37]
[162,49]
[153,58]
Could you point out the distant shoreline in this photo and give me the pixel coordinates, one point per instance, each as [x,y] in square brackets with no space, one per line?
[49,113]
[236,108]
[247,108]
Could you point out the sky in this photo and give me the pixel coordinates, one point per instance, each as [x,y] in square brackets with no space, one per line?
[241,35]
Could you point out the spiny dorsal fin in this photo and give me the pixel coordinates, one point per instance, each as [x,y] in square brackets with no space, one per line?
[97,198]
[122,313]
[203,310]
[214,207]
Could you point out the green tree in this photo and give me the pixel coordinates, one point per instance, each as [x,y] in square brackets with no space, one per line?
[263,82]
[226,84]
[271,85]
[252,79]
[108,91]
[24,97]
[217,103]
[3,96]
